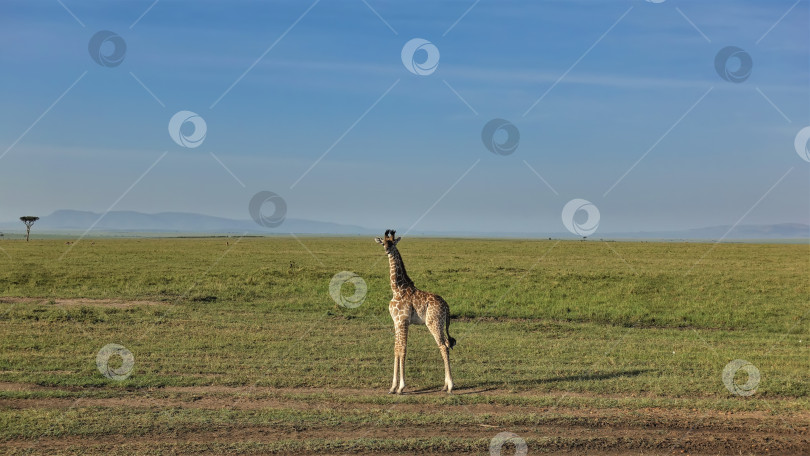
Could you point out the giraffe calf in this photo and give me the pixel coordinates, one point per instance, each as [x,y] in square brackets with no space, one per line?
[410,305]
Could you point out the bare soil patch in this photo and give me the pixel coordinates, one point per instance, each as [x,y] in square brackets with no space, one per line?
[574,439]
[582,430]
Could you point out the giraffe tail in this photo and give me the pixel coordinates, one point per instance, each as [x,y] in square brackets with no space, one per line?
[450,341]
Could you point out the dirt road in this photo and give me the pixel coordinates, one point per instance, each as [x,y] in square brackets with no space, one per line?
[572,430]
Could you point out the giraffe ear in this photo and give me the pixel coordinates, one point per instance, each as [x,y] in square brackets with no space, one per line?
[379,241]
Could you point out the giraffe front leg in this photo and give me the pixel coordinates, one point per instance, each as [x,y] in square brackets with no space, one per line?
[401,371]
[398,347]
[396,369]
[401,351]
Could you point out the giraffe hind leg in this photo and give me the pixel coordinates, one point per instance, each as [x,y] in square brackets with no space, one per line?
[436,327]
[448,378]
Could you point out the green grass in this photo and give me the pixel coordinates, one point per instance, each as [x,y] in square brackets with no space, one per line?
[735,286]
[209,345]
[607,326]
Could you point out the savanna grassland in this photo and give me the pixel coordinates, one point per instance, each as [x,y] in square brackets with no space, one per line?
[580,347]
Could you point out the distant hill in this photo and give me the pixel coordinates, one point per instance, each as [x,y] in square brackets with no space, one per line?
[780,230]
[176,222]
[775,231]
[63,221]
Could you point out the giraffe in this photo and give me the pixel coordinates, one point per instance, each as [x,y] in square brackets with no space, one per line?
[410,305]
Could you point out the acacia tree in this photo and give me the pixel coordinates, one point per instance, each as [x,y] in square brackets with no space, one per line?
[29,222]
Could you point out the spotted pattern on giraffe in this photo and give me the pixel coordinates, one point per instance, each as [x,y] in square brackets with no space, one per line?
[410,305]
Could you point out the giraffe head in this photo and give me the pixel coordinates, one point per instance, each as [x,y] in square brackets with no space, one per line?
[389,241]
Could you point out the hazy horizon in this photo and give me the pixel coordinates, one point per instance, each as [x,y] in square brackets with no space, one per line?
[69,224]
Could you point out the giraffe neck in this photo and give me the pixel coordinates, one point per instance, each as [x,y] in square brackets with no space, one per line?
[399,278]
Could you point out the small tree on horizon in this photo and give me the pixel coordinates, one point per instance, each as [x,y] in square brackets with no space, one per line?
[29,222]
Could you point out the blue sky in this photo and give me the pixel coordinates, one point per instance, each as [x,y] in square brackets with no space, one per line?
[416,158]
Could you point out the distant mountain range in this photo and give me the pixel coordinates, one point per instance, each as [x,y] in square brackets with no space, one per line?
[174,222]
[775,231]
[128,222]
